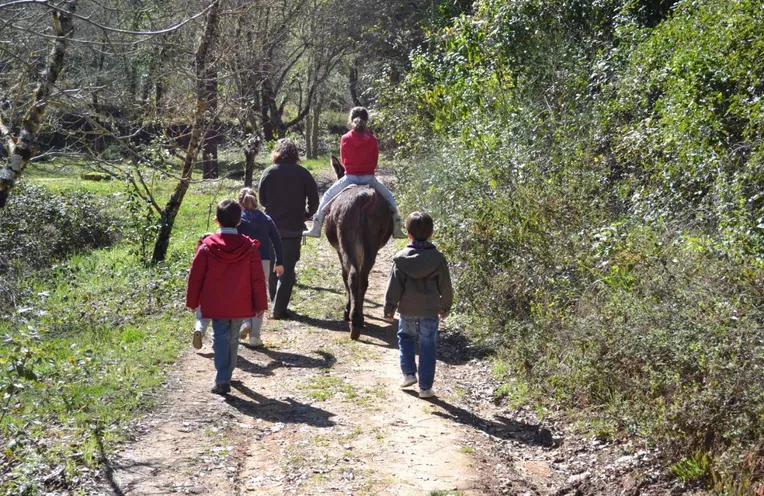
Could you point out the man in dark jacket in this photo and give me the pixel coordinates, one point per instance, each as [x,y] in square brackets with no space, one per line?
[420,287]
[290,197]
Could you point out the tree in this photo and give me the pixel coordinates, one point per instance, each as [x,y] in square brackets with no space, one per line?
[22,148]
[203,71]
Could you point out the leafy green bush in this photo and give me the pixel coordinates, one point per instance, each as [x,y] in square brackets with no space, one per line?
[595,172]
[39,228]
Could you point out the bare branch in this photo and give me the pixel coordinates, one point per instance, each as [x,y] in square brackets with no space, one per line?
[49,5]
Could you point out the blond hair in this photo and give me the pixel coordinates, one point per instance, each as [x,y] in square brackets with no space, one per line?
[248,198]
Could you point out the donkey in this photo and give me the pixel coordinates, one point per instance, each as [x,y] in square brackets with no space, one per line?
[358,224]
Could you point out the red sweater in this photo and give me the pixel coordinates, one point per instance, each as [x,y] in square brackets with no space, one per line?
[359,153]
[226,278]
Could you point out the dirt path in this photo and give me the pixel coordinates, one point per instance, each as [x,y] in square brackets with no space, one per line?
[311,413]
[316,413]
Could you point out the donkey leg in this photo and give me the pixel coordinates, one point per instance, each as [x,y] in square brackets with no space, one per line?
[356,306]
[346,315]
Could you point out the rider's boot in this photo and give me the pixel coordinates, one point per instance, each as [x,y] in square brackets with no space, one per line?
[398,227]
[315,230]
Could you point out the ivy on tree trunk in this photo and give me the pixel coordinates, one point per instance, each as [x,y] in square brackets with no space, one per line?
[23,148]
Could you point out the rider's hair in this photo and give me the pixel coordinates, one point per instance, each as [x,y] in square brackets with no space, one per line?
[248,199]
[419,225]
[358,118]
[285,151]
[228,213]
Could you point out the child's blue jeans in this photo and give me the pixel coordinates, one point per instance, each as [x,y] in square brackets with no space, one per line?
[427,330]
[226,348]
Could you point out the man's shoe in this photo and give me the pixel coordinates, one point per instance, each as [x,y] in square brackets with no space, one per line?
[398,228]
[408,380]
[246,329]
[315,230]
[221,389]
[426,393]
[197,343]
[287,315]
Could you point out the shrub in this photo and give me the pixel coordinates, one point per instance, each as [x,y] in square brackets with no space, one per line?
[594,170]
[39,228]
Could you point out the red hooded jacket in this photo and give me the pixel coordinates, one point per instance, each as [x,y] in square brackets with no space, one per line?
[226,278]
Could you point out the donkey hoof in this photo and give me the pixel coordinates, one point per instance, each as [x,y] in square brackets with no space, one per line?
[355,333]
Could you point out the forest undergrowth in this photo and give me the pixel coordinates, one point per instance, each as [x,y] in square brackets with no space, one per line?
[595,171]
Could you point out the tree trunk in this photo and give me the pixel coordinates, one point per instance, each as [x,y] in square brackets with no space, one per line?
[211,137]
[353,84]
[170,211]
[249,155]
[313,128]
[309,136]
[25,147]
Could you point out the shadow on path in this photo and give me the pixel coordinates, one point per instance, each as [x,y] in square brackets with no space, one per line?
[385,333]
[366,301]
[455,348]
[272,410]
[286,359]
[506,428]
[280,359]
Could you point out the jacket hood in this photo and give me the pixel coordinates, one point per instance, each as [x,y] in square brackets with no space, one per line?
[229,247]
[417,262]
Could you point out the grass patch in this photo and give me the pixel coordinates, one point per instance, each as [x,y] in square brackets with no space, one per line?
[324,387]
[89,341]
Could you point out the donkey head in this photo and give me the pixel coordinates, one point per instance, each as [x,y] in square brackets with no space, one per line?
[339,170]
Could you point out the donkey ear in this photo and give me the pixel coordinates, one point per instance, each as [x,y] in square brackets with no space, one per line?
[339,170]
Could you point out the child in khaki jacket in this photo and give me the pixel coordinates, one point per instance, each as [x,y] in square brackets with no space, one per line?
[420,288]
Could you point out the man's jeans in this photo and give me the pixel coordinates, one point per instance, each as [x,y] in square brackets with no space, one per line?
[427,329]
[226,348]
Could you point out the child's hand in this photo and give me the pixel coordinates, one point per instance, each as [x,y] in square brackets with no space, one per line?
[278,270]
[389,319]
[259,315]
[443,315]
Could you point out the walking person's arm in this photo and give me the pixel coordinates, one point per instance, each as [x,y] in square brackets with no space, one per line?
[446,290]
[262,195]
[311,193]
[278,248]
[395,286]
[196,278]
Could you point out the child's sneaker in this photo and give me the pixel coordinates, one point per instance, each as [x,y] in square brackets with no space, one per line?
[246,328]
[408,380]
[255,342]
[197,343]
[426,393]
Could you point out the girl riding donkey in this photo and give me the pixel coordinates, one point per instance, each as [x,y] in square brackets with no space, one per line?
[359,153]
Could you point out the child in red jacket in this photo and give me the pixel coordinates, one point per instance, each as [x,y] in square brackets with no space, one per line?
[227,282]
[359,153]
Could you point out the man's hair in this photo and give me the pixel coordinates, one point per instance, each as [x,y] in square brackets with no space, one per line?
[229,213]
[419,225]
[248,198]
[285,151]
